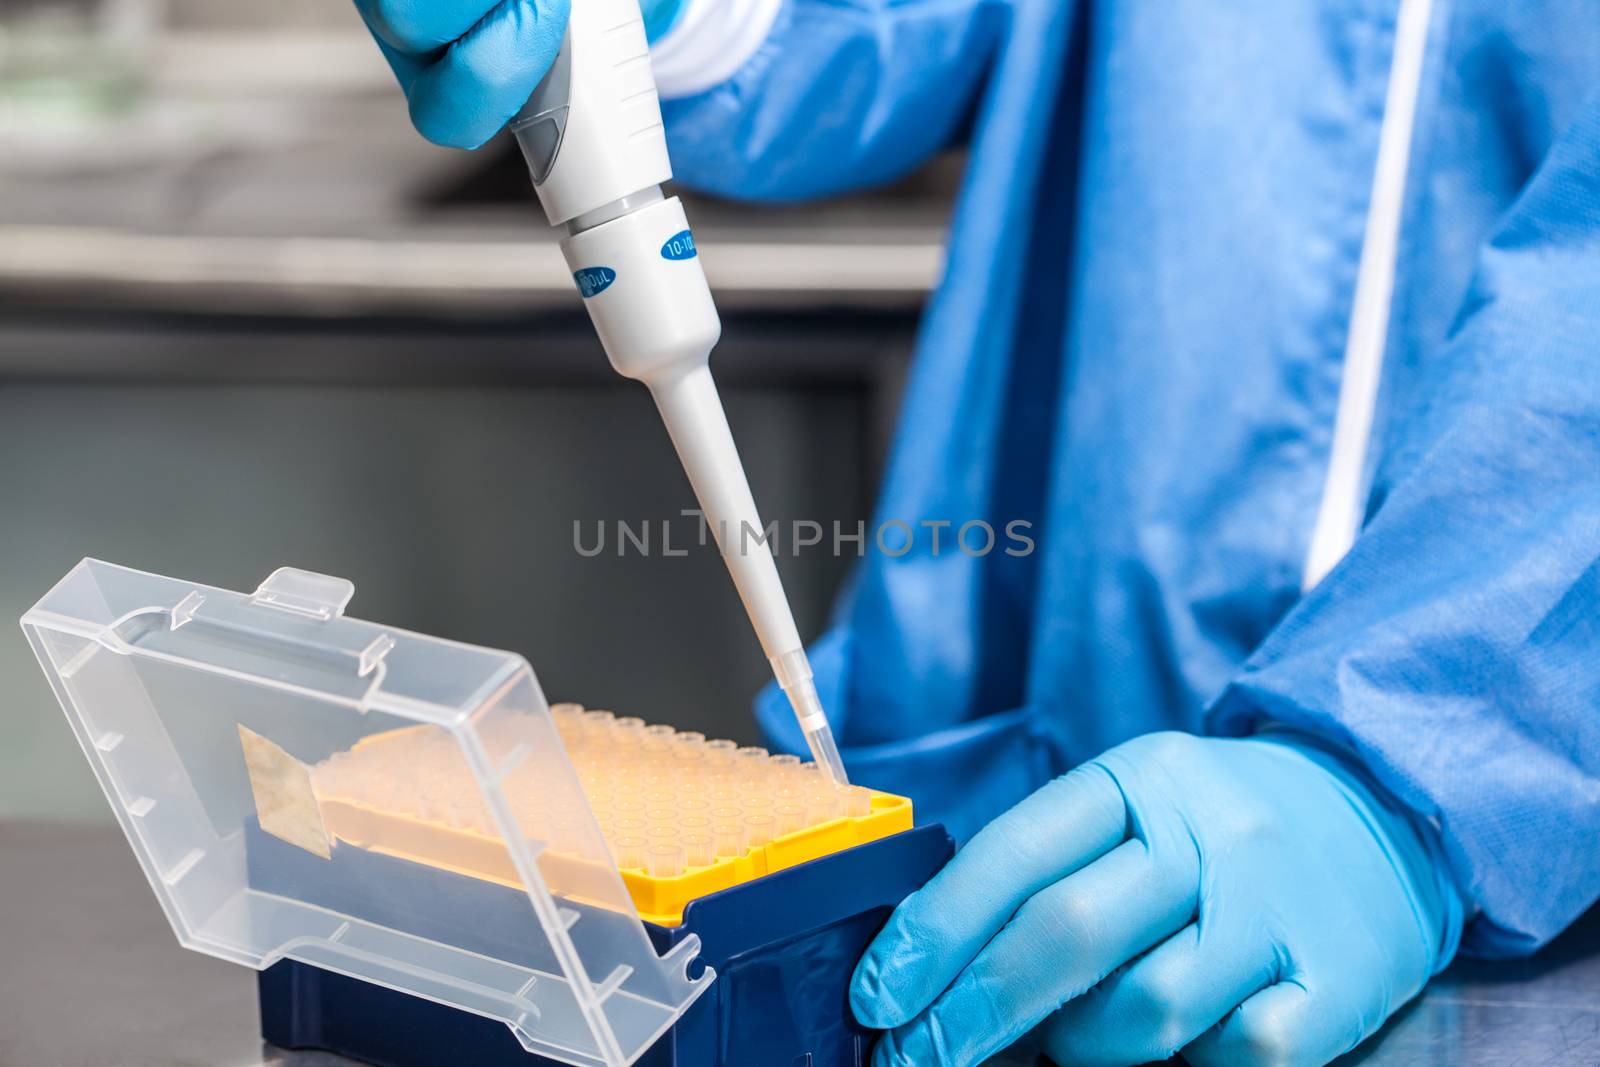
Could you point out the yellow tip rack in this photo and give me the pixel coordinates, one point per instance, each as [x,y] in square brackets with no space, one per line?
[682,816]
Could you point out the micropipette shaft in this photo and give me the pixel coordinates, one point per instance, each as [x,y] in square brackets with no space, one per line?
[597,153]
[695,419]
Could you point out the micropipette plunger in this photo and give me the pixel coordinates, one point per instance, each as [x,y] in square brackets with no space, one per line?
[593,139]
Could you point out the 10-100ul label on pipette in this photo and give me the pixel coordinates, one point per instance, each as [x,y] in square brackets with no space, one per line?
[679,246]
[594,280]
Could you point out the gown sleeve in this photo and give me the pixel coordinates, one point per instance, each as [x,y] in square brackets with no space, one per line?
[1456,649]
[843,94]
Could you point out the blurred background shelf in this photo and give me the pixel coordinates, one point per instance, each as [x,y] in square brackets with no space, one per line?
[219,158]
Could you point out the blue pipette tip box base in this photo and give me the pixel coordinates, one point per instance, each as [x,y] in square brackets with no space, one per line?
[783,946]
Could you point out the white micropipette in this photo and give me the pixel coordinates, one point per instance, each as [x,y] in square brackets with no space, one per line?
[593,139]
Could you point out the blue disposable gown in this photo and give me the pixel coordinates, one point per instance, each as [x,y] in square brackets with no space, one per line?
[1137,346]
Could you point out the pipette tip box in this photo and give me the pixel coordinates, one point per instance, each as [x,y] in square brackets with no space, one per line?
[409,842]
[783,947]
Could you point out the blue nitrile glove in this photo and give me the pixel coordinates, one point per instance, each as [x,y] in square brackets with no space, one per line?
[1258,883]
[467,66]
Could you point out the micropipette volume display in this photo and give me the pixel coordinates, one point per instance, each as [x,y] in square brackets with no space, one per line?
[597,153]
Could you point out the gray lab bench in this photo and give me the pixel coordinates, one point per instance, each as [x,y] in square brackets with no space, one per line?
[90,976]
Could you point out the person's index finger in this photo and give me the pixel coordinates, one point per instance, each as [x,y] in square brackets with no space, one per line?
[418,27]
[939,929]
[465,96]
[1082,928]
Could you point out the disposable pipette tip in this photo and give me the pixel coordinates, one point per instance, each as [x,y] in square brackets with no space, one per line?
[826,753]
[802,694]
[793,671]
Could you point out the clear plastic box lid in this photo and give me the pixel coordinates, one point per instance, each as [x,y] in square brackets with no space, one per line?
[250,746]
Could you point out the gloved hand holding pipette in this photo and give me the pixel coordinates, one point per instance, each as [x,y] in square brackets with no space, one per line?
[467,66]
[577,88]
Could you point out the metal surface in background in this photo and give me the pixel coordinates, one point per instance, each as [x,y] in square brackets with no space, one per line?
[81,928]
[341,273]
